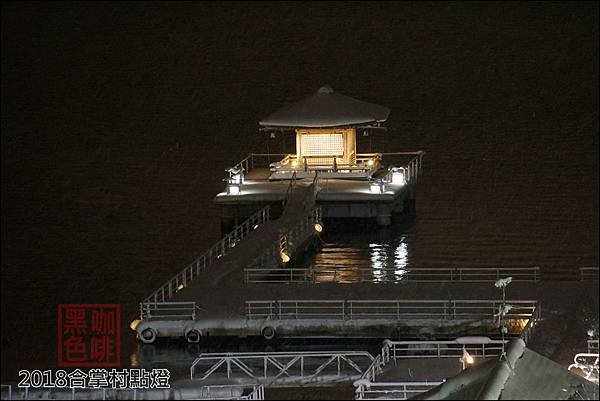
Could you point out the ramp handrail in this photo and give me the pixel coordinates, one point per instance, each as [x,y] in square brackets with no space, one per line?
[532,323]
[221,248]
[395,350]
[386,309]
[296,234]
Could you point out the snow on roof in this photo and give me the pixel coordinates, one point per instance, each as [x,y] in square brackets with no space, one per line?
[326,108]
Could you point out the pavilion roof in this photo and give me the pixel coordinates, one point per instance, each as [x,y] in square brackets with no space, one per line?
[326,108]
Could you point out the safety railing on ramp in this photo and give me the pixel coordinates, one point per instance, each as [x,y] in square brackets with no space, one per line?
[476,348]
[217,251]
[392,351]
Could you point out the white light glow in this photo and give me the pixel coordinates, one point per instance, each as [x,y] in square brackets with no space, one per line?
[233,189]
[378,257]
[400,260]
[398,177]
[318,227]
[376,187]
[237,178]
[322,144]
[467,359]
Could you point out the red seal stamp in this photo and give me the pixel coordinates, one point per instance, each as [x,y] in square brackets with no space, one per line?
[89,335]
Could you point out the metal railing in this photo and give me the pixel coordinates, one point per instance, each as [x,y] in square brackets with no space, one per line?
[532,323]
[297,235]
[250,162]
[370,275]
[394,275]
[365,163]
[168,310]
[412,168]
[392,351]
[386,309]
[220,249]
[588,273]
[392,391]
[271,368]
[10,392]
[592,346]
[213,392]
[277,275]
[232,392]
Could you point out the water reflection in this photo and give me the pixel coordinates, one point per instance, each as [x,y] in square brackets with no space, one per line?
[351,257]
[401,259]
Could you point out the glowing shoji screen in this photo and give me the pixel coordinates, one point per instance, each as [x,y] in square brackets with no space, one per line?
[322,144]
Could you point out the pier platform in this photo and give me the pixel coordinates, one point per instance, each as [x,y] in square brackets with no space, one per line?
[379,195]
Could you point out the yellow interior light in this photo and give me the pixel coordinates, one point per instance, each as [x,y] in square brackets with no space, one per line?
[284,257]
[180,287]
[133,325]
[318,227]
[370,162]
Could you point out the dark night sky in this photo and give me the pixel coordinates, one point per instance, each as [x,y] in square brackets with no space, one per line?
[110,111]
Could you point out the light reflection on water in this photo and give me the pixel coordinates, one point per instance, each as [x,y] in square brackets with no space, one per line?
[380,256]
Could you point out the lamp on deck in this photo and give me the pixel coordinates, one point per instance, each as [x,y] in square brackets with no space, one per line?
[398,176]
[376,186]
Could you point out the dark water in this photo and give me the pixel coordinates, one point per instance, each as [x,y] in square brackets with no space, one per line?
[118,121]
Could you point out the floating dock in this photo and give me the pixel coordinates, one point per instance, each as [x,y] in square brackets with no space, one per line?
[276,205]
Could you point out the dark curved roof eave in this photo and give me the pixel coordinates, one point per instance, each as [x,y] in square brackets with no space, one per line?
[326,108]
